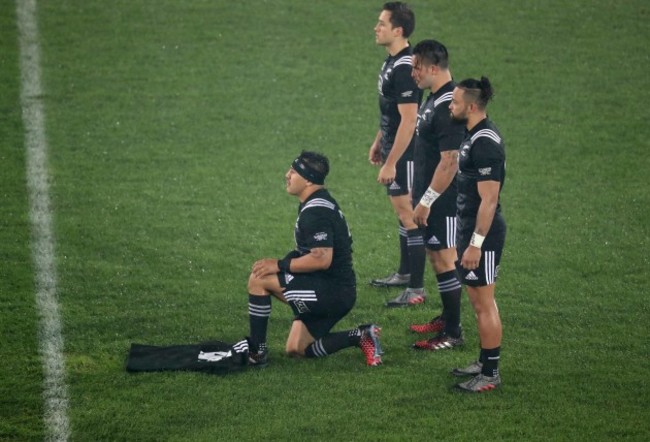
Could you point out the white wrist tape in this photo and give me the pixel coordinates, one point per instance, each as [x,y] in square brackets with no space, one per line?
[429,197]
[477,240]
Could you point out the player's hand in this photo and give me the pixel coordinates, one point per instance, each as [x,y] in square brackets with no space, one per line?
[471,258]
[420,215]
[374,155]
[386,174]
[265,267]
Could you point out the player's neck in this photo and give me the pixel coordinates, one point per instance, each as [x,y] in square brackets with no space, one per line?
[440,80]
[397,46]
[475,119]
[307,192]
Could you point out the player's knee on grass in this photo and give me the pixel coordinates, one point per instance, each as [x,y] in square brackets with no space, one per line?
[299,339]
[293,350]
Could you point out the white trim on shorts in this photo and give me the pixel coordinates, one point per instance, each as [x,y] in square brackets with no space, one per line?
[490,267]
[451,231]
[300,295]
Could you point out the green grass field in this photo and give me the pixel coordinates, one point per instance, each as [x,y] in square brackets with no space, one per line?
[170,126]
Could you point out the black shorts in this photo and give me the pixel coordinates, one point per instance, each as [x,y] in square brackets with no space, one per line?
[488,268]
[403,182]
[315,301]
[440,232]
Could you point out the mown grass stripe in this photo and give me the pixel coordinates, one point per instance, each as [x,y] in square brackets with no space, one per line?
[42,242]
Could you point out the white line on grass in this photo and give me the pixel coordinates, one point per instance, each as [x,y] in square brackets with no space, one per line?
[55,393]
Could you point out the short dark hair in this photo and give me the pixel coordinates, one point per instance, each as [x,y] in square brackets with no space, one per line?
[479,91]
[432,52]
[317,161]
[401,16]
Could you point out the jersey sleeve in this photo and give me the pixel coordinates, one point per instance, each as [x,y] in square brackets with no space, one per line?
[451,133]
[488,159]
[406,91]
[317,228]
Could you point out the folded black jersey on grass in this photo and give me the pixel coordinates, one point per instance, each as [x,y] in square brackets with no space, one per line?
[214,357]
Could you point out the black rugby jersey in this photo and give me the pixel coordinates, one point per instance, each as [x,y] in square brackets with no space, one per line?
[321,223]
[396,86]
[482,157]
[435,132]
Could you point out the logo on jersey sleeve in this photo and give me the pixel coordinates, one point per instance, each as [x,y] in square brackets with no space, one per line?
[407,94]
[485,171]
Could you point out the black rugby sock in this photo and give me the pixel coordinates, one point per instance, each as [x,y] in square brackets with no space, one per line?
[259,310]
[450,294]
[490,358]
[332,343]
[404,268]
[417,257]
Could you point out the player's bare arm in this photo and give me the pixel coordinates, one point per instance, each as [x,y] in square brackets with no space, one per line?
[374,155]
[319,258]
[442,177]
[408,119]
[446,170]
